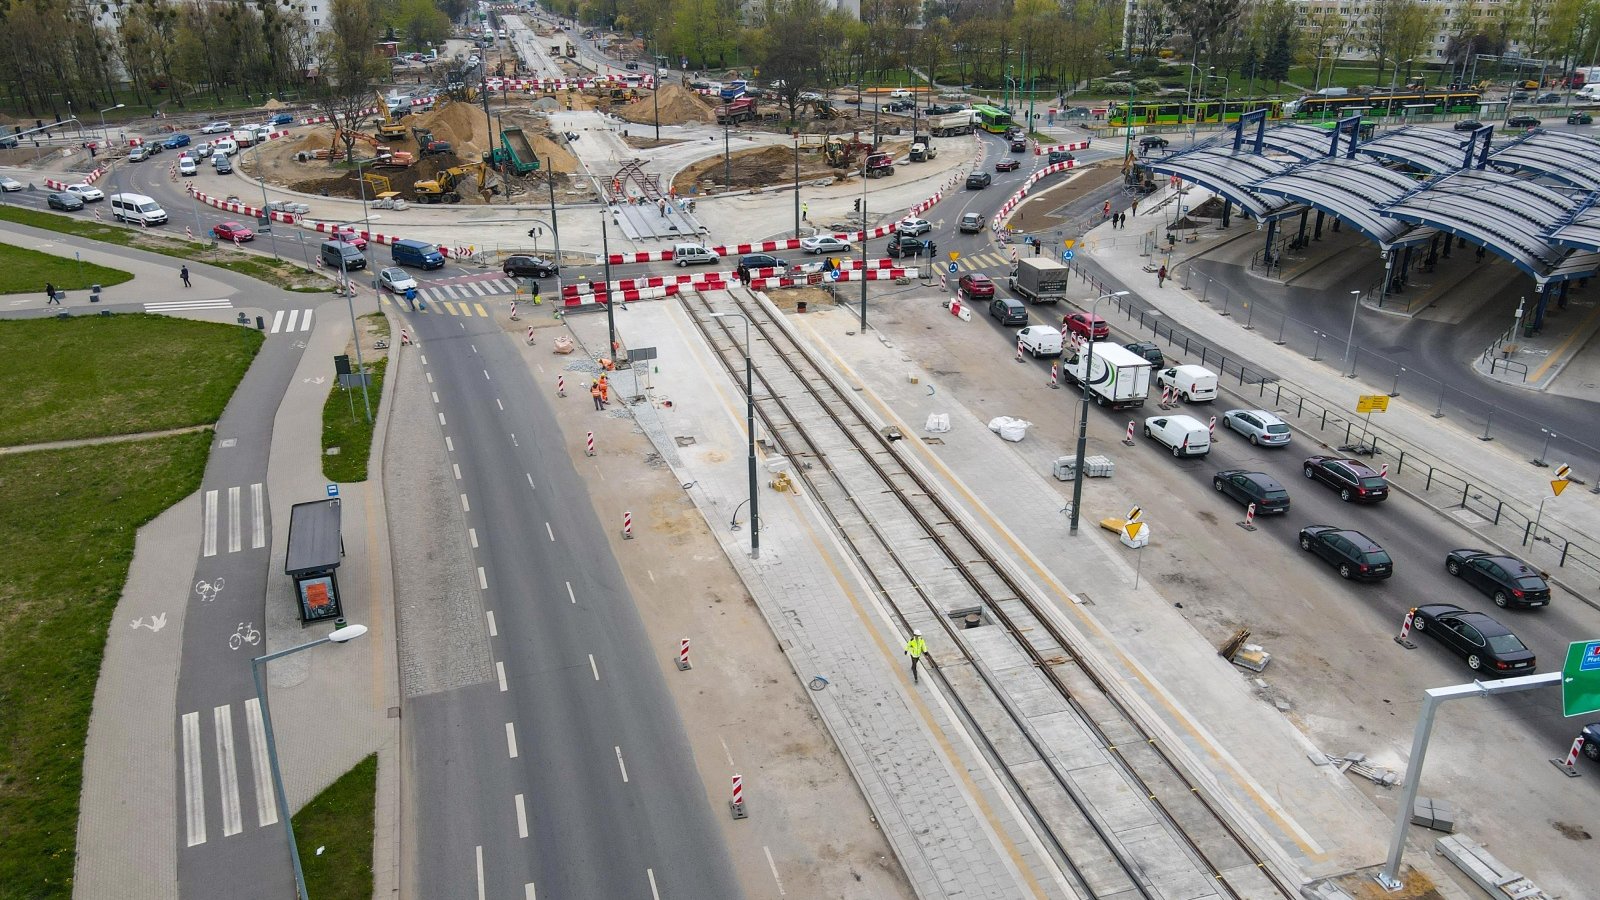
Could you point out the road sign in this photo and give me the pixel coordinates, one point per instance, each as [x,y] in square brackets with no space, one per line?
[1134,514]
[1069,243]
[1066,256]
[954,256]
[1580,679]
[1371,403]
[952,268]
[1132,530]
[333,490]
[1558,485]
[1562,471]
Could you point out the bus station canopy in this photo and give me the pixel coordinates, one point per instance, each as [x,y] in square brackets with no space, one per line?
[1353,190]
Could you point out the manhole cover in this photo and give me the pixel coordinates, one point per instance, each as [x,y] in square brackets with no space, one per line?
[684,441]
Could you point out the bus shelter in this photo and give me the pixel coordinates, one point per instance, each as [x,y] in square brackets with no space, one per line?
[316,548]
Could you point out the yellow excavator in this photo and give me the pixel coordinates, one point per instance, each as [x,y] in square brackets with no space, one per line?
[442,188]
[389,128]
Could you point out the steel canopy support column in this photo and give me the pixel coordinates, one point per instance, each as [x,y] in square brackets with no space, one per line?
[1316,231]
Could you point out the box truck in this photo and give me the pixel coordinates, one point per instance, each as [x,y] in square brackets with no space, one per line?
[1039,280]
[1117,377]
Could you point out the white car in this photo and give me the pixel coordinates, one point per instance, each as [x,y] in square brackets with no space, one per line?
[912,226]
[216,128]
[9,184]
[186,165]
[201,151]
[901,94]
[225,147]
[88,193]
[810,97]
[396,279]
[824,243]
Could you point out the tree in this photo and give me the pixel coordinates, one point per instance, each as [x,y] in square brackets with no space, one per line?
[1396,30]
[350,66]
[1148,28]
[422,22]
[1205,21]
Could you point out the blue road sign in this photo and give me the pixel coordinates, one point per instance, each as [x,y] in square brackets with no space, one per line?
[952,268]
[333,490]
[1066,256]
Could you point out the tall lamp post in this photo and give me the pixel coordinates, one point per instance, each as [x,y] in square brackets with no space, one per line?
[555,230]
[338,636]
[797,181]
[105,133]
[1222,116]
[750,428]
[863,248]
[605,249]
[1350,340]
[1083,416]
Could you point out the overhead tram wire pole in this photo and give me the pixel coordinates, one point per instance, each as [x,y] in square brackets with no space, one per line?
[863,247]
[555,229]
[605,249]
[1083,417]
[750,429]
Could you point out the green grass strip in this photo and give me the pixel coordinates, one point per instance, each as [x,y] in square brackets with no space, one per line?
[67,522]
[348,431]
[340,822]
[24,271]
[93,376]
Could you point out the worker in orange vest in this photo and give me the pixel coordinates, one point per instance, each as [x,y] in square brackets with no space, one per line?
[594,394]
[605,390]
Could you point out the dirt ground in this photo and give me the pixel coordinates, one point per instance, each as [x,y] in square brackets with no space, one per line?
[761,167]
[1035,213]
[679,106]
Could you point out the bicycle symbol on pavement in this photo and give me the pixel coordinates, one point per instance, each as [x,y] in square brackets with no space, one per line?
[246,634]
[207,590]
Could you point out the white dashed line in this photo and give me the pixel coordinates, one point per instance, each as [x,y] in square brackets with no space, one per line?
[622,765]
[550,531]
[511,740]
[209,545]
[480,872]
[430,377]
[728,753]
[227,771]
[485,374]
[514,440]
[651,874]
[235,495]
[441,419]
[472,535]
[435,396]
[570,595]
[449,444]
[499,404]
[457,468]
[493,631]
[258,524]
[423,357]
[774,867]
[193,780]
[474,346]
[530,479]
[483,580]
[594,668]
[522,818]
[527,892]
[652,576]
[465,506]
[500,672]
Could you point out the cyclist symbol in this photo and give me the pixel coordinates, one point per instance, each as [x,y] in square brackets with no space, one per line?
[246,634]
[207,590]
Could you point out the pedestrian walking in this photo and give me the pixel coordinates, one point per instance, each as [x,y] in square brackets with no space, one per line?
[1038,247]
[50,294]
[662,206]
[1105,211]
[184,274]
[594,394]
[915,648]
[743,271]
[1135,208]
[411,298]
[1161,277]
[805,212]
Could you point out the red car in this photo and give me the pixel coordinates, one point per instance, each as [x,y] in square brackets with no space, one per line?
[1008,165]
[975,286]
[349,236]
[233,231]
[1090,326]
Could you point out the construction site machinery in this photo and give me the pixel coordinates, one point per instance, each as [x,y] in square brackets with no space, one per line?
[390,200]
[572,52]
[426,144]
[950,124]
[389,128]
[515,153]
[398,159]
[878,165]
[842,152]
[825,110]
[443,187]
[736,111]
[378,185]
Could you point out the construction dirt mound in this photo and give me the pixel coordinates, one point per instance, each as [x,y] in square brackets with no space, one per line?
[678,107]
[459,123]
[760,167]
[348,185]
[313,141]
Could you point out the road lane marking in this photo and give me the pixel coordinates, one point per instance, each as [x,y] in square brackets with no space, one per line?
[499,404]
[294,316]
[473,346]
[522,818]
[511,742]
[441,419]
[234,496]
[472,535]
[227,771]
[193,780]
[493,631]
[652,576]
[266,800]
[423,357]
[258,519]
[465,507]
[482,313]
[530,479]
[209,524]
[430,377]
[485,374]
[726,752]
[480,872]
[594,668]
[622,765]
[449,307]
[483,580]
[435,396]
[651,874]
[514,440]
[277,320]
[527,892]
[570,595]
[550,531]
[449,445]
[457,468]
[774,867]
[500,673]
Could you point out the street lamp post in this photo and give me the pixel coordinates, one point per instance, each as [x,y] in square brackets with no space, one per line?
[797,183]
[605,249]
[1226,86]
[863,249]
[750,428]
[350,303]
[1350,340]
[338,636]
[105,132]
[555,230]
[1083,416]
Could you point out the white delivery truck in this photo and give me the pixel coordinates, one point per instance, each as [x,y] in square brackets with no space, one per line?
[1040,280]
[1117,377]
[950,124]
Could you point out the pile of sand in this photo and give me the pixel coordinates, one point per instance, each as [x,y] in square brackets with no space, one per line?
[274,103]
[678,107]
[555,155]
[459,123]
[320,139]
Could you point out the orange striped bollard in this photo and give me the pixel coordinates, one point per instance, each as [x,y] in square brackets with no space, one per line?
[561,380]
[683,655]
[737,803]
[1055,383]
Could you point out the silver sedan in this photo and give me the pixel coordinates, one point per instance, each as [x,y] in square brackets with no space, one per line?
[1258,426]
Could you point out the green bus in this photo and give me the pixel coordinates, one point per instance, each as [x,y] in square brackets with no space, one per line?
[993,119]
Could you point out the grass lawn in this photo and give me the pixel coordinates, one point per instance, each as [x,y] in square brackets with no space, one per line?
[279,273]
[24,271]
[67,520]
[340,820]
[352,434]
[91,376]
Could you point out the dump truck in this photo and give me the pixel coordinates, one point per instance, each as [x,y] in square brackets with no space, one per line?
[950,124]
[515,153]
[737,111]
[1039,280]
[1119,378]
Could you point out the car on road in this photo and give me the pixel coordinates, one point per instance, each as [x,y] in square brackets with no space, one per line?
[1150,350]
[901,94]
[176,141]
[139,154]
[1580,118]
[1253,487]
[1476,637]
[975,286]
[971,223]
[88,193]
[1591,741]
[979,180]
[1523,122]
[1355,555]
[523,266]
[1087,325]
[9,184]
[349,235]
[1019,146]
[1520,96]
[200,151]
[1355,481]
[913,226]
[899,246]
[824,243]
[1507,580]
[281,119]
[1551,97]
[809,96]
[233,231]
[1007,165]
[186,166]
[899,106]
[64,201]
[1152,142]
[1258,426]
[1468,125]
[396,279]
[216,128]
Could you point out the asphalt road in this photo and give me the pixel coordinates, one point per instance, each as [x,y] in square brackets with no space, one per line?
[600,797]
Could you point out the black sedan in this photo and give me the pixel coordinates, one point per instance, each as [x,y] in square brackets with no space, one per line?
[528,267]
[1483,642]
[1355,481]
[1468,125]
[1591,741]
[1253,487]
[1523,122]
[1510,581]
[1007,165]
[64,200]
[1355,555]
[900,245]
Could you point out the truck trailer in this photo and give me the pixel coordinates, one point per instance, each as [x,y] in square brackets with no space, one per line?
[1118,378]
[950,124]
[1040,280]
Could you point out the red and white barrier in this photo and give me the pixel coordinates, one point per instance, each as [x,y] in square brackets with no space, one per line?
[588,449]
[1166,396]
[737,803]
[1384,472]
[1055,382]
[1129,439]
[561,380]
[1075,145]
[683,655]
[998,222]
[405,337]
[1250,516]
[1572,755]
[1212,425]
[1019,349]
[627,525]
[1405,624]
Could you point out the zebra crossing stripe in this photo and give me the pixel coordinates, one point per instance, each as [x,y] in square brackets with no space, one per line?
[277,321]
[233,519]
[258,522]
[194,799]
[305,323]
[209,523]
[482,313]
[477,288]
[227,771]
[294,316]
[266,800]
[451,308]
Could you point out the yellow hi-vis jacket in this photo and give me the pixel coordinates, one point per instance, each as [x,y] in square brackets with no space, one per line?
[916,647]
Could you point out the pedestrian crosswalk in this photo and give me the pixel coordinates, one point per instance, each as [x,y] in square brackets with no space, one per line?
[470,290]
[225,528]
[992,260]
[176,306]
[443,307]
[200,735]
[286,320]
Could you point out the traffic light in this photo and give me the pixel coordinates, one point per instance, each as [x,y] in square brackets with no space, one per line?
[858,204]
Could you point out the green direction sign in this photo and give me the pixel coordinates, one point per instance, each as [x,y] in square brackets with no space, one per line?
[1580,679]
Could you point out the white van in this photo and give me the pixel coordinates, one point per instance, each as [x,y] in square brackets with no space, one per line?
[1040,340]
[225,147]
[137,208]
[1192,384]
[693,254]
[186,165]
[1183,435]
